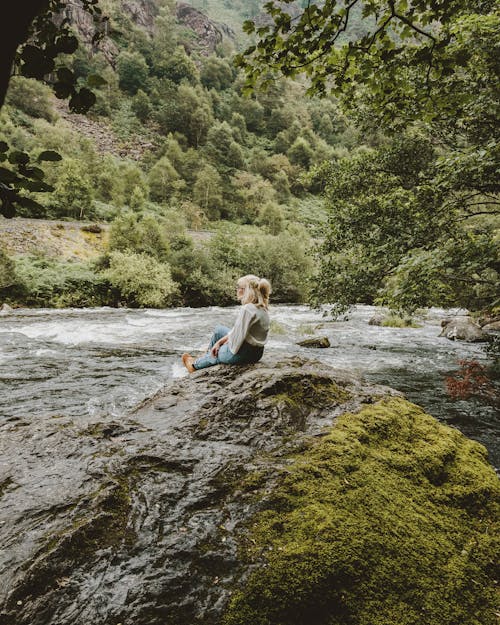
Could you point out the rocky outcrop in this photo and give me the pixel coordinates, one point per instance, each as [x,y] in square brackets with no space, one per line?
[462,329]
[155,518]
[208,34]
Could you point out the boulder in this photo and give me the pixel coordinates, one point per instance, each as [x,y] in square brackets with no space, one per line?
[266,493]
[377,319]
[462,329]
[5,309]
[315,342]
[494,326]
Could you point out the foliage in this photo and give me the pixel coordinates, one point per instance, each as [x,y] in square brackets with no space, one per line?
[47,282]
[471,380]
[164,181]
[7,271]
[391,240]
[30,96]
[73,191]
[133,71]
[48,36]
[141,280]
[387,518]
[140,234]
[22,175]
[207,191]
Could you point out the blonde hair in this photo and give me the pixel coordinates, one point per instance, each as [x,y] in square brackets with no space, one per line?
[257,291]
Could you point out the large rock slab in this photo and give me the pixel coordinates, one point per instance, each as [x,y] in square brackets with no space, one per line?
[147,520]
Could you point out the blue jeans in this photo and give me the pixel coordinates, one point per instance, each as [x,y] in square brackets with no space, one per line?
[246,354]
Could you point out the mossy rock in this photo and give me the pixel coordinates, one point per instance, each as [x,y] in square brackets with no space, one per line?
[387,520]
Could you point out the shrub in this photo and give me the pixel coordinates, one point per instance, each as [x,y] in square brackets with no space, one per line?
[49,282]
[140,280]
[31,96]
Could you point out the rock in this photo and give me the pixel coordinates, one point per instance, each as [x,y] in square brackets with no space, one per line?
[494,326]
[207,33]
[376,320]
[316,342]
[5,309]
[463,329]
[147,520]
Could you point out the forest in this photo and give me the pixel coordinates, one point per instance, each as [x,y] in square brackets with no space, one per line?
[349,153]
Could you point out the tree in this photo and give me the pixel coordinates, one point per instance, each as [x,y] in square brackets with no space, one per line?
[140,234]
[164,181]
[133,71]
[431,65]
[222,149]
[73,192]
[207,191]
[392,239]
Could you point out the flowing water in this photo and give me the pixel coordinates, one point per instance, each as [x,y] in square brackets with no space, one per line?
[88,363]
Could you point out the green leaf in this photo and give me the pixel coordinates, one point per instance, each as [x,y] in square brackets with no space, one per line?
[49,155]
[82,101]
[66,76]
[248,27]
[7,176]
[19,158]
[62,90]
[67,44]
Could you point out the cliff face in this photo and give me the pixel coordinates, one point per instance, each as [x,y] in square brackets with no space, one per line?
[206,34]
[283,492]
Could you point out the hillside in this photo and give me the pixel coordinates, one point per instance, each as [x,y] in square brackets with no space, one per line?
[53,238]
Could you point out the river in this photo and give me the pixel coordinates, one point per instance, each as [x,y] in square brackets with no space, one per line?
[101,362]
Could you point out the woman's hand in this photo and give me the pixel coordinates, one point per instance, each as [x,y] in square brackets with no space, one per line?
[215,349]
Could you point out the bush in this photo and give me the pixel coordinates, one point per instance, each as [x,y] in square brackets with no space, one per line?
[31,96]
[140,280]
[55,283]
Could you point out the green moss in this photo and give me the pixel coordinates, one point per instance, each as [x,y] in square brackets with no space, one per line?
[312,391]
[387,520]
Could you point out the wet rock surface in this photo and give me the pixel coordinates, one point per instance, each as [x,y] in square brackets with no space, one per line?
[135,521]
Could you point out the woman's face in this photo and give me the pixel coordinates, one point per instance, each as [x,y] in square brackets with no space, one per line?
[240,290]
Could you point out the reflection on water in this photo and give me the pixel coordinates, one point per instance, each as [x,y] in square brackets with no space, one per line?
[97,362]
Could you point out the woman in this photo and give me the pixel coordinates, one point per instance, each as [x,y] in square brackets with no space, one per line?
[244,343]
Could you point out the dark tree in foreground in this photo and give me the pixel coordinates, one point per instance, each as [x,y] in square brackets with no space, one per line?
[31,40]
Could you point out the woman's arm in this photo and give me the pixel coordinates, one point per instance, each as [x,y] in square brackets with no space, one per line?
[238,333]
[215,349]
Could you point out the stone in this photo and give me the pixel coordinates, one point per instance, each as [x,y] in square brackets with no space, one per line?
[5,309]
[463,329]
[160,516]
[315,342]
[376,320]
[494,326]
